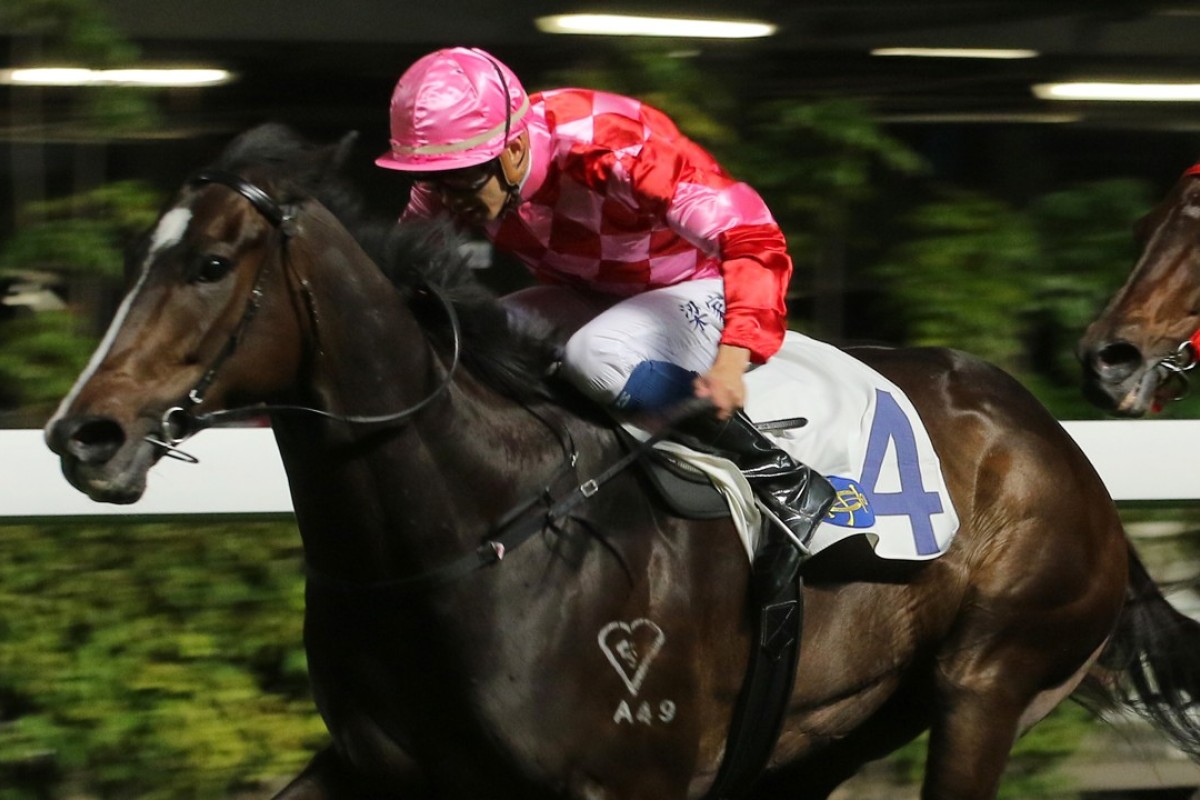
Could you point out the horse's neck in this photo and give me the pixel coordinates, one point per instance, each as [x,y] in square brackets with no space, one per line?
[377,501]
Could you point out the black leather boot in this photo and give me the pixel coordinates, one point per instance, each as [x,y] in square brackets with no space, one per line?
[793,495]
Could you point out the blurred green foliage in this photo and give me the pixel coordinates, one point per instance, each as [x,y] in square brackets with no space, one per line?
[84,234]
[963,279]
[1016,286]
[819,165]
[151,660]
[39,357]
[82,239]
[70,29]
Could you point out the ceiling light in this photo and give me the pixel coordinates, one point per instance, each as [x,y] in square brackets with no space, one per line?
[954,52]
[1129,91]
[77,76]
[624,25]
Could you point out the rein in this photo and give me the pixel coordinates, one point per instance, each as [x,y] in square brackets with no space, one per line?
[179,423]
[514,528]
[522,522]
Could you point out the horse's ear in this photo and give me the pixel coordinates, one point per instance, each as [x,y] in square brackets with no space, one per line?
[341,151]
[317,165]
[327,162]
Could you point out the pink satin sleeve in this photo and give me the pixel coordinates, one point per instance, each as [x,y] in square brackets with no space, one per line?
[729,221]
[701,213]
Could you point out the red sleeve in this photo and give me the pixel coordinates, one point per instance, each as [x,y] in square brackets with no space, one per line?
[756,269]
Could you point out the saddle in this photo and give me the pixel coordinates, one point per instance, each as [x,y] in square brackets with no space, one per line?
[687,492]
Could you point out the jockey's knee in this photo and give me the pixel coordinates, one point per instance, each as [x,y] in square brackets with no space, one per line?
[655,385]
[597,366]
[608,373]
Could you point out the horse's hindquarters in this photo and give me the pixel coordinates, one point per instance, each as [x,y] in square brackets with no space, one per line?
[1034,580]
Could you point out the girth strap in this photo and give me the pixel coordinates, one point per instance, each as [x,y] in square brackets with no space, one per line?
[762,705]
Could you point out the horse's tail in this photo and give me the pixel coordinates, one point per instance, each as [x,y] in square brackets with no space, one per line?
[1151,665]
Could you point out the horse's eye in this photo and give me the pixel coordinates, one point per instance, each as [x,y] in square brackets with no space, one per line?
[213,268]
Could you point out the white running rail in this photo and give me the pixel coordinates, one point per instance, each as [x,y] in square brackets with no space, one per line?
[240,472]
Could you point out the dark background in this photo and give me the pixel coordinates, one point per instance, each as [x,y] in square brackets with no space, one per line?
[328,67]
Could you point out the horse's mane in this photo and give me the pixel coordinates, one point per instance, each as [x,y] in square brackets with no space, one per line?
[510,354]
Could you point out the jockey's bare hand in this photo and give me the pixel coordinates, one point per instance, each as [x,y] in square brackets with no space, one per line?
[723,384]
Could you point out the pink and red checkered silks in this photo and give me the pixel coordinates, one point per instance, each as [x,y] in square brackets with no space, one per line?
[619,201]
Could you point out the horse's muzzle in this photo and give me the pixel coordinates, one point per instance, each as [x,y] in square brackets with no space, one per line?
[1119,379]
[100,458]
[1113,362]
[89,439]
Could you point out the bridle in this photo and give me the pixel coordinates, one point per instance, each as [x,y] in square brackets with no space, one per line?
[180,423]
[547,508]
[1176,366]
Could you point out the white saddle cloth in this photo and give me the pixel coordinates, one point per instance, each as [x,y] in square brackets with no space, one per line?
[863,433]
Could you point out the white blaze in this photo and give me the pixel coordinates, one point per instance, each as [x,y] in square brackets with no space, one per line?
[171,228]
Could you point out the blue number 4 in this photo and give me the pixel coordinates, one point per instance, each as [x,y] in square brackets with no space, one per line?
[913,500]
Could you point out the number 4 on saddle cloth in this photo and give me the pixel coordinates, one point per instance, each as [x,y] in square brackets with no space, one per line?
[862,432]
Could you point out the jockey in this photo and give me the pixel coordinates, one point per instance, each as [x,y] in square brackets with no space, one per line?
[680,269]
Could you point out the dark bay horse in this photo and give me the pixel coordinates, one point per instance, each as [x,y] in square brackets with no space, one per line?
[603,657]
[1137,354]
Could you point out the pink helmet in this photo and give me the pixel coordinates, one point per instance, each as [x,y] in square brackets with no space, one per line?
[450,110]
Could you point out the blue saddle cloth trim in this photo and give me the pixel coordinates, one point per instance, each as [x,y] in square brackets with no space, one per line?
[853,507]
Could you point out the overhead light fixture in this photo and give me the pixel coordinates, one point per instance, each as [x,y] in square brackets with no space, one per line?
[955,52]
[79,76]
[680,27]
[1118,91]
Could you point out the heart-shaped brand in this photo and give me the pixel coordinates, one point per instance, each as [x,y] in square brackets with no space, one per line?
[630,647]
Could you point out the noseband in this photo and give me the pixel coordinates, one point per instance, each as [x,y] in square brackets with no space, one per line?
[1178,364]
[180,423]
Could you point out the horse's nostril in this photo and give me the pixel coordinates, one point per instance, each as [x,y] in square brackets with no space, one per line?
[1117,360]
[94,440]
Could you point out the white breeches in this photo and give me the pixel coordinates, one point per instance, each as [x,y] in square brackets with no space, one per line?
[637,353]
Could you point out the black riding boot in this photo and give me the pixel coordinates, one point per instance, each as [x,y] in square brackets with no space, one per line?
[797,496]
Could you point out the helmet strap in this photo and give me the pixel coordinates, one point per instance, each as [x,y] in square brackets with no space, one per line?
[512,189]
